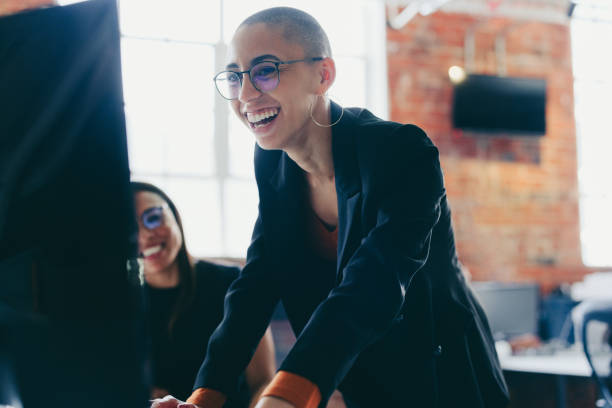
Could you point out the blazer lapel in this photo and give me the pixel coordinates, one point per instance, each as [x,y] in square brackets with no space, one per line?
[284,203]
[348,185]
[286,185]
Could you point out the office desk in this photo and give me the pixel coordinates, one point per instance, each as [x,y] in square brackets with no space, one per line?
[570,362]
[561,364]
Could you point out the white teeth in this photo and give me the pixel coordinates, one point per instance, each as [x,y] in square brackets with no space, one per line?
[257,117]
[152,250]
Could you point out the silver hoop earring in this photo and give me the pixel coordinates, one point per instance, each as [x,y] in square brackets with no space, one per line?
[321,124]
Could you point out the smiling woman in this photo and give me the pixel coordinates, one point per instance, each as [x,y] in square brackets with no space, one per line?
[185,303]
[250,49]
[353,236]
[159,239]
[181,135]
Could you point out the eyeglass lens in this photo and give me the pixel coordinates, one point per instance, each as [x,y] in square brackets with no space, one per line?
[264,77]
[152,217]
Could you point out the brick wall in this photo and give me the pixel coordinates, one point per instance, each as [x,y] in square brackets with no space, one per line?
[514,199]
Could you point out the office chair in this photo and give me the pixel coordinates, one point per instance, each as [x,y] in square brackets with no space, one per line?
[585,312]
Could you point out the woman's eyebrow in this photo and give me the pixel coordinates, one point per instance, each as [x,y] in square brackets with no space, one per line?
[265,57]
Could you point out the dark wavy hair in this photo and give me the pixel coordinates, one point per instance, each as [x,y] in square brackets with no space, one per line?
[187,276]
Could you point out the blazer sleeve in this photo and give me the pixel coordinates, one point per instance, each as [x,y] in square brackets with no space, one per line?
[405,177]
[248,307]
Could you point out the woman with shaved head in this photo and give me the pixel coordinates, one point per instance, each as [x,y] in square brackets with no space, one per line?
[353,236]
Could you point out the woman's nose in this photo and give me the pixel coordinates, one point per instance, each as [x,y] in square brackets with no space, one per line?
[144,234]
[248,90]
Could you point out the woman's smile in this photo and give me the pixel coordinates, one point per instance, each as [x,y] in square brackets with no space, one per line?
[262,121]
[261,118]
[153,252]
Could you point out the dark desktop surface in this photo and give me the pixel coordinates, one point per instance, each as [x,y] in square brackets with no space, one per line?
[70,319]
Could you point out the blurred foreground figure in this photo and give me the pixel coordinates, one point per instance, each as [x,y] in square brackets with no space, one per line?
[70,312]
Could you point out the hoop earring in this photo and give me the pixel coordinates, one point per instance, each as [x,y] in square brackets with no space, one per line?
[321,124]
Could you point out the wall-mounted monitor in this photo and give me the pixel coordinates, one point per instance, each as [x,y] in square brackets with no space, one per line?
[493,104]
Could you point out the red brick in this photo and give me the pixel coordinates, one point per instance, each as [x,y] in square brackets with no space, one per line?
[514,220]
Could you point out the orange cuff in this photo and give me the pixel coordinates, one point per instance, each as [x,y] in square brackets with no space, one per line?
[297,390]
[207,398]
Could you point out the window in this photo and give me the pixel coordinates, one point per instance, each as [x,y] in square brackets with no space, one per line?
[181,135]
[591,28]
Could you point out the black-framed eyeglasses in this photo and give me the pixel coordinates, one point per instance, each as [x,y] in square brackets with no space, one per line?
[264,76]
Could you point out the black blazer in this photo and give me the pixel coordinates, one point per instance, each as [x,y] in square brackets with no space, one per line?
[393,323]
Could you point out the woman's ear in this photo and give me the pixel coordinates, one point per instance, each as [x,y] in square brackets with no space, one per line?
[327,71]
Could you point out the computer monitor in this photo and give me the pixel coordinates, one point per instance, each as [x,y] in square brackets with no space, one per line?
[511,308]
[70,320]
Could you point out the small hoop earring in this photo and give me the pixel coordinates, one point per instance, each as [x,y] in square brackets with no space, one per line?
[321,124]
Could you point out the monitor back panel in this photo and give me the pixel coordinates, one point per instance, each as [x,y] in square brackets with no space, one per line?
[67,225]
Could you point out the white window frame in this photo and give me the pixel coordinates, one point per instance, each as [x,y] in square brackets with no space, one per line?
[594,195]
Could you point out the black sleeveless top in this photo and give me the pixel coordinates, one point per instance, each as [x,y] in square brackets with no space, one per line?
[176,357]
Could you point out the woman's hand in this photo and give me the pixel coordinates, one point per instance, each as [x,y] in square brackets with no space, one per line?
[170,402]
[336,400]
[273,402]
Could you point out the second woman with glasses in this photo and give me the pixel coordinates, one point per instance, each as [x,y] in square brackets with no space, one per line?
[353,236]
[185,304]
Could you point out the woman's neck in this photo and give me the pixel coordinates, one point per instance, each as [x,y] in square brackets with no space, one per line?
[164,279]
[314,154]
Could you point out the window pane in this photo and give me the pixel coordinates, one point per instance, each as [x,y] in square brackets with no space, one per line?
[590,99]
[169,106]
[592,10]
[199,206]
[596,225]
[241,9]
[345,39]
[350,86]
[241,200]
[589,61]
[241,147]
[594,131]
[348,38]
[145,142]
[189,20]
